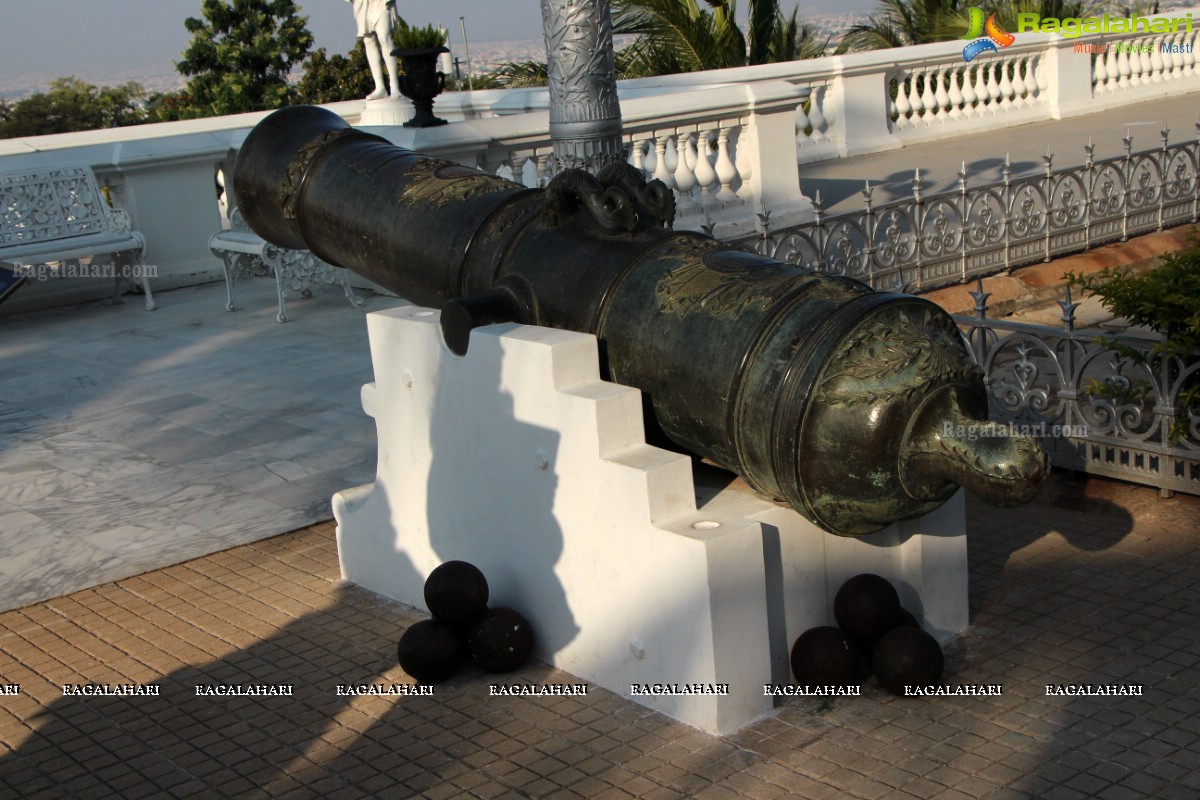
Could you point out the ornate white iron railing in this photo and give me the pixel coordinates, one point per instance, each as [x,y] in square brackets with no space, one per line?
[1105,404]
[923,242]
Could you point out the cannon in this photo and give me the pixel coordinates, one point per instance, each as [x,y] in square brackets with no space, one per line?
[857,408]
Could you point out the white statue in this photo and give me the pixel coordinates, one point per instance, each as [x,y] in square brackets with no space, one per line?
[376,19]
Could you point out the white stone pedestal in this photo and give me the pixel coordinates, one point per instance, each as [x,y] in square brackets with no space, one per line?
[520,460]
[386,111]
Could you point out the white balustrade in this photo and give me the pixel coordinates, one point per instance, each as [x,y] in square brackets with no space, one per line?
[727,141]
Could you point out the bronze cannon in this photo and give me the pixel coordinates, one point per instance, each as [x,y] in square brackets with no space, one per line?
[858,408]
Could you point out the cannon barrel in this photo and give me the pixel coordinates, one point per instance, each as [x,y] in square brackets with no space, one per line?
[858,408]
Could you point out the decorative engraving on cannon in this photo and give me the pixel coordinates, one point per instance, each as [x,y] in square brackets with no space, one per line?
[816,390]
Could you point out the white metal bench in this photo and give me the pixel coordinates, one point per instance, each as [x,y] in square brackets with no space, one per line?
[54,216]
[245,253]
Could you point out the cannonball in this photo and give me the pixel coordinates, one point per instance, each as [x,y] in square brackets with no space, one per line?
[907,620]
[907,657]
[501,640]
[826,656]
[456,593]
[866,607]
[428,651]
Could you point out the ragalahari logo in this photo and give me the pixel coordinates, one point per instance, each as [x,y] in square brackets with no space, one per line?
[987,36]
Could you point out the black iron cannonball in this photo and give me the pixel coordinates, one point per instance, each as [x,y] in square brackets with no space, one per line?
[866,607]
[826,656]
[907,657]
[907,620]
[904,619]
[456,593]
[501,641]
[428,651]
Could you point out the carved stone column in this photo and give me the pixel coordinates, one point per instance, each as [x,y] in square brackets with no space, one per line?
[585,116]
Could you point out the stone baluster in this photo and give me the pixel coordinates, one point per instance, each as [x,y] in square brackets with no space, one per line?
[1146,60]
[637,153]
[993,87]
[903,106]
[1020,89]
[968,93]
[652,156]
[744,163]
[803,124]
[955,95]
[725,168]
[1113,65]
[1099,73]
[518,168]
[661,172]
[685,179]
[1006,86]
[672,154]
[1176,57]
[928,99]
[1123,69]
[914,99]
[1157,64]
[706,176]
[545,167]
[940,96]
[979,89]
[1135,67]
[816,116]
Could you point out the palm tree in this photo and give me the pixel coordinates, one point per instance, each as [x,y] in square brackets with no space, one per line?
[679,36]
[791,41]
[521,74]
[901,23]
[1006,11]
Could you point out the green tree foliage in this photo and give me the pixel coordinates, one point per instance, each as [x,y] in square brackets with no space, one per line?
[1165,299]
[73,105]
[1006,11]
[792,41]
[169,106]
[331,79]
[901,23]
[680,36]
[520,74]
[241,55]
[410,37]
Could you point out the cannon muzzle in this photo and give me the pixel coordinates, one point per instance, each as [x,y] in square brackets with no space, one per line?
[839,400]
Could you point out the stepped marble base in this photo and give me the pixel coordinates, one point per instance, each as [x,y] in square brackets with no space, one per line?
[520,460]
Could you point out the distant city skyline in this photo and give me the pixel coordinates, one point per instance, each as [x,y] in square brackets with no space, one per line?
[100,42]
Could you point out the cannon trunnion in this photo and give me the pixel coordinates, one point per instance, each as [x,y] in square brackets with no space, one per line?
[858,408]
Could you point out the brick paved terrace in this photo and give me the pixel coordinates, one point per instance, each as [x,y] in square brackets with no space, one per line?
[1096,582]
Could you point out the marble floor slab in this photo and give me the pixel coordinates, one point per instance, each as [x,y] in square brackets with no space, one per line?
[130,441]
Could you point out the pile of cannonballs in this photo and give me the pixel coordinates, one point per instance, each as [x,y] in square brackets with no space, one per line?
[874,634]
[462,628]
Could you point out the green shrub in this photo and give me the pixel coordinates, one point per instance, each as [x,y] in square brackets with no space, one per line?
[407,37]
[1165,299]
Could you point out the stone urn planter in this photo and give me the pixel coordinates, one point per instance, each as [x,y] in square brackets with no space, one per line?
[421,82]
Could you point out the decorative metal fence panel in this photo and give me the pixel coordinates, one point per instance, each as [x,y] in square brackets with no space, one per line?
[1098,407]
[922,242]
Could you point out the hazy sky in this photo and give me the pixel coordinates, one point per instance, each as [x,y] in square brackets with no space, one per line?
[71,36]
